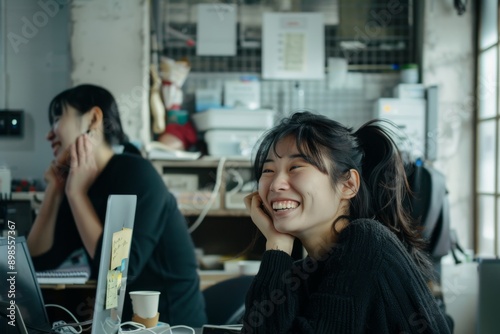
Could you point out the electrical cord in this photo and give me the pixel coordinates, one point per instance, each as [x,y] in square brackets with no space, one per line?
[239,180]
[140,327]
[83,323]
[213,195]
[61,325]
[186,327]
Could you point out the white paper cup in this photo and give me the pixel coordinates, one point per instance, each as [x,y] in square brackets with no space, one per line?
[145,303]
[249,267]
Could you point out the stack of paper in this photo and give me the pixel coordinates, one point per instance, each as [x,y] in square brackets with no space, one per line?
[77,275]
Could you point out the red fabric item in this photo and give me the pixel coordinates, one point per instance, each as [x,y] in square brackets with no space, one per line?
[186,133]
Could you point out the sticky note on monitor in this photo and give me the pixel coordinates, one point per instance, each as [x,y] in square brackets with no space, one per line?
[120,247]
[112,286]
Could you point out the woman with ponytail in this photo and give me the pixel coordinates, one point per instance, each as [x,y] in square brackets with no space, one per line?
[85,125]
[340,192]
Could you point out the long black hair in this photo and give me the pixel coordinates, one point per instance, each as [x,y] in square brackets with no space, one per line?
[372,152]
[83,98]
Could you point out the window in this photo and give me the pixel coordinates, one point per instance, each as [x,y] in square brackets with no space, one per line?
[488,128]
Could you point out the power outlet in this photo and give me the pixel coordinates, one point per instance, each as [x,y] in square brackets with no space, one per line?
[11,123]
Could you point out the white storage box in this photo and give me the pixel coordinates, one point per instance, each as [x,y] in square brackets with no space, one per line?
[181,182]
[196,200]
[245,94]
[409,116]
[409,91]
[234,119]
[236,200]
[232,143]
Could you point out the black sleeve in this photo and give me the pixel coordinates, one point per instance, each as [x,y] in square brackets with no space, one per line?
[273,301]
[66,240]
[137,176]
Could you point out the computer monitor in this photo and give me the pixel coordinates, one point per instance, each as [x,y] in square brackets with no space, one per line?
[7,310]
[19,283]
[25,290]
[120,213]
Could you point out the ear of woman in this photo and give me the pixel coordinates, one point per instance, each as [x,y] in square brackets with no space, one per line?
[94,118]
[349,188]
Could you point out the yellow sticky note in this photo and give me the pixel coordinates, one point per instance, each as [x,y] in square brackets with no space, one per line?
[113,281]
[120,247]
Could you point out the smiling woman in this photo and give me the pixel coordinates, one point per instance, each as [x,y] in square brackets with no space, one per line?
[340,192]
[85,171]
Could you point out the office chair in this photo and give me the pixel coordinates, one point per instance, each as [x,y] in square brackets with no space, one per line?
[225,301]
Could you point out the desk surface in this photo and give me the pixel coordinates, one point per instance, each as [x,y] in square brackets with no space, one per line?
[91,284]
[207,278]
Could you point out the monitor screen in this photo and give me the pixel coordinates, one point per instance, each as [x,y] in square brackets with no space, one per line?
[120,214]
[16,268]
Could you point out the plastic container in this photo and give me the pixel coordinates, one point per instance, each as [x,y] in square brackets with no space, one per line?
[232,143]
[234,119]
[409,91]
[248,267]
[409,74]
[177,117]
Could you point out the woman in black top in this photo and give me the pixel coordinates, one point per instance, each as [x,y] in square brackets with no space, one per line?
[340,192]
[85,171]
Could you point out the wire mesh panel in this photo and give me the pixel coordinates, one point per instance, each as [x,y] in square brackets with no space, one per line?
[374,36]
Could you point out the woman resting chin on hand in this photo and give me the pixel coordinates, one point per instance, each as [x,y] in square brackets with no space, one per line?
[340,192]
[85,124]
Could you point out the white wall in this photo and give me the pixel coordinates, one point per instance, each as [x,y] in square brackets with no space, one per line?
[448,61]
[110,47]
[50,45]
[34,68]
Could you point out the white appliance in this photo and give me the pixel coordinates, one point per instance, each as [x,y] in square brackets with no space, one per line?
[233,132]
[243,119]
[409,115]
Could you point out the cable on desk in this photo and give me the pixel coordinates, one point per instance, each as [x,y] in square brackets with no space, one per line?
[138,327]
[77,323]
[213,195]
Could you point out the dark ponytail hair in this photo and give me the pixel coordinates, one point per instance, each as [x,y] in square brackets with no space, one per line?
[85,97]
[372,152]
[385,180]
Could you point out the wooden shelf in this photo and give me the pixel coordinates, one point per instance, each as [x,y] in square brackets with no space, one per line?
[206,172]
[227,229]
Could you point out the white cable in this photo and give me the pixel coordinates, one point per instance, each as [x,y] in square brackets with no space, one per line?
[182,326]
[71,314]
[139,327]
[213,195]
[239,180]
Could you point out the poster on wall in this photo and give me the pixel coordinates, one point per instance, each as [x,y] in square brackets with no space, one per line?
[293,46]
[216,30]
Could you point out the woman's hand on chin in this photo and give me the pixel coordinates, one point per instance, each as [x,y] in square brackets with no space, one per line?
[83,171]
[275,240]
[57,173]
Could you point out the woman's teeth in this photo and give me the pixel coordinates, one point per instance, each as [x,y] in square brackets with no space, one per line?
[285,205]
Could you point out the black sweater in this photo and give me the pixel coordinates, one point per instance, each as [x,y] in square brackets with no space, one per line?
[162,252]
[367,283]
